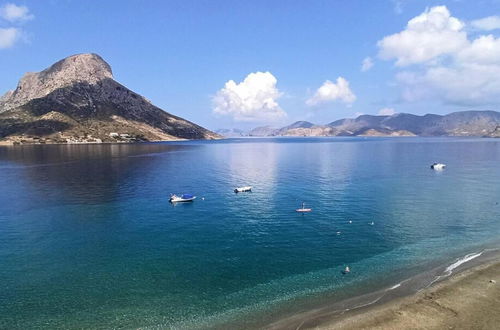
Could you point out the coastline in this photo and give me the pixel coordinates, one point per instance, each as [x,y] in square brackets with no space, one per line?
[464,297]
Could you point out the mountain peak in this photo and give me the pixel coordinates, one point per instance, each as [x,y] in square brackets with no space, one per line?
[88,67]
[77,99]
[81,68]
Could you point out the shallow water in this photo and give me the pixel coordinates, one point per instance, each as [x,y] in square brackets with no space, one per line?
[88,238]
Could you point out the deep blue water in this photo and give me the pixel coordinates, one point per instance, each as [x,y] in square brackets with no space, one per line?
[89,240]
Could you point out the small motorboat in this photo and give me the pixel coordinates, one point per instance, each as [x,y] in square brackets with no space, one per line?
[243,189]
[180,199]
[438,166]
[347,270]
[303,209]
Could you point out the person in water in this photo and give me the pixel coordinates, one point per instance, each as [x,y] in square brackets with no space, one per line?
[346,270]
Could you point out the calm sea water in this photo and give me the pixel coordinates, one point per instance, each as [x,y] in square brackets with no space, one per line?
[89,240]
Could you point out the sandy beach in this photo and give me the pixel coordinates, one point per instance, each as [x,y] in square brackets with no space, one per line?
[468,300]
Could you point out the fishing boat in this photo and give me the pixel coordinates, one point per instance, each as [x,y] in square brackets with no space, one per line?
[438,166]
[243,189]
[183,198]
[303,209]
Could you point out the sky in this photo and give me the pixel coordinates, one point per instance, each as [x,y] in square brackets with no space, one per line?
[242,64]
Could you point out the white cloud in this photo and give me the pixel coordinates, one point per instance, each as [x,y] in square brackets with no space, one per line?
[253,99]
[8,37]
[487,24]
[367,64]
[386,112]
[329,92]
[483,50]
[444,62]
[468,84]
[13,13]
[431,34]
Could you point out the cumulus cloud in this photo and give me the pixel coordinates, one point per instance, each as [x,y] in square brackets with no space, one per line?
[253,99]
[431,34]
[329,92]
[444,62]
[8,37]
[386,112]
[14,13]
[487,24]
[483,50]
[468,85]
[366,64]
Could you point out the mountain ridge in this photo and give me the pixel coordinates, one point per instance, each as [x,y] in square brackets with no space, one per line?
[77,100]
[484,123]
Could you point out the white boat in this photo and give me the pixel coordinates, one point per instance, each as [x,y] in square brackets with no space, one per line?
[243,189]
[438,166]
[183,198]
[303,209]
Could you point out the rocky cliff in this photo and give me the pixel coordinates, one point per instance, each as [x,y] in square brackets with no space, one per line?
[77,100]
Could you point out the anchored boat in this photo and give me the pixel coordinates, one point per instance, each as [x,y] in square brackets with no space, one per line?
[438,166]
[243,189]
[183,198]
[303,209]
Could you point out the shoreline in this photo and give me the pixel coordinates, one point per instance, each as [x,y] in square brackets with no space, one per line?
[408,304]
[15,143]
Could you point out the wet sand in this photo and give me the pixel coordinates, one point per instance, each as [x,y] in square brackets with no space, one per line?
[468,300]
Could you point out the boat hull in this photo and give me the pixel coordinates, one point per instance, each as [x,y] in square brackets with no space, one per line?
[438,167]
[242,189]
[180,200]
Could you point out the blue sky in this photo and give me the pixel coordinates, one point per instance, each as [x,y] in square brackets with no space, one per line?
[182,55]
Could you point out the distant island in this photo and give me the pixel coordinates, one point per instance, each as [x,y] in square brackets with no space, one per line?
[76,100]
[463,123]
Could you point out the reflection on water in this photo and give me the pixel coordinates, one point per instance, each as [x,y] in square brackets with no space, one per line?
[88,238]
[66,174]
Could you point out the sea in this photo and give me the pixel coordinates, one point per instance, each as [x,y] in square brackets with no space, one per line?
[89,240]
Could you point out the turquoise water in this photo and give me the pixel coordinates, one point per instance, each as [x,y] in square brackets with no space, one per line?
[89,240]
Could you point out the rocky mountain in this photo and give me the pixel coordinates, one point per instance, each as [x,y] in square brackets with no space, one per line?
[298,124]
[77,100]
[464,123]
[303,128]
[263,131]
[231,132]
[299,128]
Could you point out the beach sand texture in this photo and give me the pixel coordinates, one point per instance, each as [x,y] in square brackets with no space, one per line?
[468,300]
